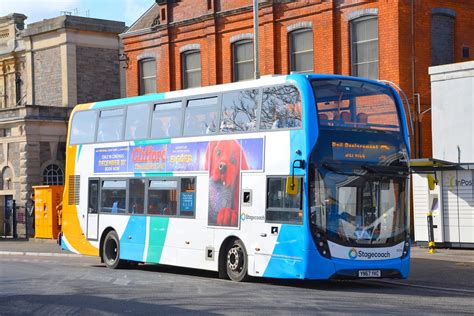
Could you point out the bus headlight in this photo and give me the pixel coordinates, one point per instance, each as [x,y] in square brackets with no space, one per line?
[322,245]
[406,246]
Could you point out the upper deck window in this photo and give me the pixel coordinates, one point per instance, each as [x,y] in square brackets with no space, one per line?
[110,125]
[343,103]
[281,108]
[166,120]
[239,111]
[201,117]
[83,127]
[137,123]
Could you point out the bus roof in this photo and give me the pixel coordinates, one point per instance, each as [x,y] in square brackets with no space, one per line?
[263,81]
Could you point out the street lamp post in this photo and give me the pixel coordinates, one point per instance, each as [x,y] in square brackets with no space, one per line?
[255,40]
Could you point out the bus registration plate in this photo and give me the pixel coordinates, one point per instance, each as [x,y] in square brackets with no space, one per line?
[370,273]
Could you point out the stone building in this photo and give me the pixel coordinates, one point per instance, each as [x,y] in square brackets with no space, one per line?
[187,43]
[46,69]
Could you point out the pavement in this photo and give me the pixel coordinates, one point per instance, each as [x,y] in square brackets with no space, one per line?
[48,247]
[33,247]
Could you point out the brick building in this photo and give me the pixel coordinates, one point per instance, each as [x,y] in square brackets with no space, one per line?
[185,43]
[45,70]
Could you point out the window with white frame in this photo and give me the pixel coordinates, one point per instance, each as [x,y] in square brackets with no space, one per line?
[365,47]
[242,60]
[301,51]
[147,69]
[191,69]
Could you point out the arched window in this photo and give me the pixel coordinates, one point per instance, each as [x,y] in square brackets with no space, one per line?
[147,69]
[53,175]
[242,60]
[7,178]
[301,51]
[365,47]
[442,36]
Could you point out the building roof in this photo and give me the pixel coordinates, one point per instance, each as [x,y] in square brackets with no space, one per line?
[74,22]
[148,19]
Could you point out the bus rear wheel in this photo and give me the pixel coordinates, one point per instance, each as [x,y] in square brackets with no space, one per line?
[237,262]
[111,251]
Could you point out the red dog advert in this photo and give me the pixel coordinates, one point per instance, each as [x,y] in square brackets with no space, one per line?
[224,160]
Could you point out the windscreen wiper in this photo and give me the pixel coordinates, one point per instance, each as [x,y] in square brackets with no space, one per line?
[327,166]
[387,170]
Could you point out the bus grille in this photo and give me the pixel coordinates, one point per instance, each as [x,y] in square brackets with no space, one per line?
[74,190]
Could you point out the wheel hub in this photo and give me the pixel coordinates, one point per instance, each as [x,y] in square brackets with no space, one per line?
[233,258]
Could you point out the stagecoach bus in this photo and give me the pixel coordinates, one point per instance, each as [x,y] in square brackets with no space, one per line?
[293,176]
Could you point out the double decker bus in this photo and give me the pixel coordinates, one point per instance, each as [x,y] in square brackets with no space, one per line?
[293,176]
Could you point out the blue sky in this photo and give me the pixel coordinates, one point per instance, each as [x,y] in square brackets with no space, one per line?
[127,11]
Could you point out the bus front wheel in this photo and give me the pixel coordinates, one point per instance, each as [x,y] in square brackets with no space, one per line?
[111,251]
[237,261]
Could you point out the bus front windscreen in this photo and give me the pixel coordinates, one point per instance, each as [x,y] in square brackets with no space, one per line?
[357,208]
[354,104]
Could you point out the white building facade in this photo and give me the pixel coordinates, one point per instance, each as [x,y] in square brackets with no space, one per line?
[452,199]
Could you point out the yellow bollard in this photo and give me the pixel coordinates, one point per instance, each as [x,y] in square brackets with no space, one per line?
[431,242]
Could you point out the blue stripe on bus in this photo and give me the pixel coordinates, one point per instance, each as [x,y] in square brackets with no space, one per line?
[133,248]
[125,101]
[287,259]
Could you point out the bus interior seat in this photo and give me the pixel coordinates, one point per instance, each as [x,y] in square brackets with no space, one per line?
[323,119]
[362,118]
[345,117]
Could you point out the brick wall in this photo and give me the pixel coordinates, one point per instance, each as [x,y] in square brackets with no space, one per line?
[191,22]
[47,77]
[97,74]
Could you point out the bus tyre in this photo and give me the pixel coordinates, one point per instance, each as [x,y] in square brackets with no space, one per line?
[237,262]
[111,251]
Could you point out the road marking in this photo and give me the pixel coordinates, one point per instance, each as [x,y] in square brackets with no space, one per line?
[426,287]
[121,282]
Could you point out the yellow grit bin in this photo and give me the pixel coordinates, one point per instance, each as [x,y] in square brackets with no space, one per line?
[48,207]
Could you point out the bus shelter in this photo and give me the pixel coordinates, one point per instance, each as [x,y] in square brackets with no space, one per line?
[446,189]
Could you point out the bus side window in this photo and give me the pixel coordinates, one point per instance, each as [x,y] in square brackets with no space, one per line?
[83,127]
[113,195]
[283,207]
[110,125]
[162,197]
[201,117]
[239,111]
[281,108]
[166,120]
[93,202]
[136,200]
[136,126]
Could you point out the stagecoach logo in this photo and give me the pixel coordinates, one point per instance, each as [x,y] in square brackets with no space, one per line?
[244,217]
[353,253]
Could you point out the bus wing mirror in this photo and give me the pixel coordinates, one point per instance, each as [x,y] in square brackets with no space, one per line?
[292,185]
